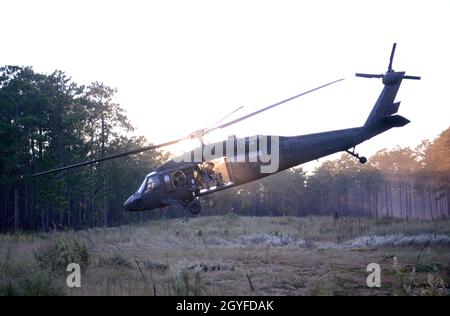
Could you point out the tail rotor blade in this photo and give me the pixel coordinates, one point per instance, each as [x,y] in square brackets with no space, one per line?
[392,56]
[368,75]
[412,77]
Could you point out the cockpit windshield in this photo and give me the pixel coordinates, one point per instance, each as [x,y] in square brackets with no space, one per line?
[142,187]
[150,183]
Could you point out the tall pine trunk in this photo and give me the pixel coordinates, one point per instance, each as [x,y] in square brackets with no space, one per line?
[16,208]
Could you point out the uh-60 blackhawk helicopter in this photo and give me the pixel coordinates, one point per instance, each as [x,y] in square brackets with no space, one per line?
[233,162]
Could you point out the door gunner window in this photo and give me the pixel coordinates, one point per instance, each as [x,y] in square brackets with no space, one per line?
[179,179]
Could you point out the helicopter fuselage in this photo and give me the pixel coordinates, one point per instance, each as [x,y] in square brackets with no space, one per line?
[292,151]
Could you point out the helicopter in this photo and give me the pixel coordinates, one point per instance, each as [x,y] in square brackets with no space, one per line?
[235,161]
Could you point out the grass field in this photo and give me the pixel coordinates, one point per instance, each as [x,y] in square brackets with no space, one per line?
[233,255]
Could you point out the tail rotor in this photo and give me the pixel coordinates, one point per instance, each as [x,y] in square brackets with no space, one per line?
[390,76]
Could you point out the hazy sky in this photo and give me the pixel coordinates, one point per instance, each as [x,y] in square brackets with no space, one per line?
[182,65]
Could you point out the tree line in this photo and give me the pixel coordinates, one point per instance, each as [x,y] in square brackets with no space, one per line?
[47,121]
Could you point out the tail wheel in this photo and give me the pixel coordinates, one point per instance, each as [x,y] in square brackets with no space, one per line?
[194,207]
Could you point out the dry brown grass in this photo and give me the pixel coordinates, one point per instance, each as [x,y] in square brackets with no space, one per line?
[233,255]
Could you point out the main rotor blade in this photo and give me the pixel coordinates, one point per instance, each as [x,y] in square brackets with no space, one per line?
[126,153]
[142,149]
[392,56]
[225,117]
[268,107]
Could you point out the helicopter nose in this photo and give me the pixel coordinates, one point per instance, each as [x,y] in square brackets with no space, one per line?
[127,203]
[131,203]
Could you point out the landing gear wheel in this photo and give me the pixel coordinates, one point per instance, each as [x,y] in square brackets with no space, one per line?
[361,159]
[194,207]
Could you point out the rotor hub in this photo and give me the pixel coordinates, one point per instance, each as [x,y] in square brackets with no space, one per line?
[390,78]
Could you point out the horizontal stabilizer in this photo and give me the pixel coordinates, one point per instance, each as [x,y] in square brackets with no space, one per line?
[395,121]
